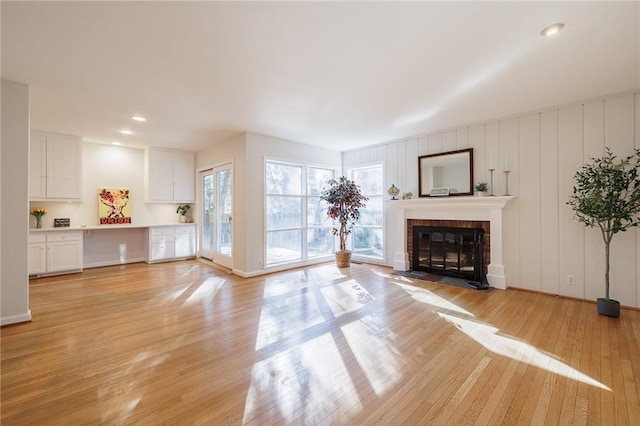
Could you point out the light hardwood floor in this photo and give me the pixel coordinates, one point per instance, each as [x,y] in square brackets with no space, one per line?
[182,343]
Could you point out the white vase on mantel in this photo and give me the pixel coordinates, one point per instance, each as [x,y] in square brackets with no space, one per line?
[481,193]
[183,219]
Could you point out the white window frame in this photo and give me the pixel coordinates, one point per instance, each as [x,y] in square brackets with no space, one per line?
[305,227]
[364,258]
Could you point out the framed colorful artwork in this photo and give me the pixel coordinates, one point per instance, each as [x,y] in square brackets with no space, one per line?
[113,206]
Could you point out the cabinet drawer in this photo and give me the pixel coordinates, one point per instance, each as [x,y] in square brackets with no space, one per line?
[182,230]
[156,239]
[162,231]
[64,236]
[37,237]
[162,251]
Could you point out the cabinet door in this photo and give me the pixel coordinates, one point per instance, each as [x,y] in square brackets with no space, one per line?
[184,177]
[37,166]
[159,175]
[160,251]
[37,258]
[64,167]
[185,245]
[64,256]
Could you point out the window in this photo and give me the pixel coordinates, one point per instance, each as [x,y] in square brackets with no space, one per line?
[297,226]
[368,233]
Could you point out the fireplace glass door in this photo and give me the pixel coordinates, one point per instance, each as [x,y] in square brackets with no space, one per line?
[448,251]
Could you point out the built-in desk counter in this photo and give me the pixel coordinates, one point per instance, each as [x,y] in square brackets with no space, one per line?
[109,227]
[104,245]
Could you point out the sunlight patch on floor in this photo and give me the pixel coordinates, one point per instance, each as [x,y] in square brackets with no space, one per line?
[144,363]
[346,297]
[488,337]
[425,296]
[301,385]
[374,348]
[207,290]
[296,280]
[193,291]
[284,317]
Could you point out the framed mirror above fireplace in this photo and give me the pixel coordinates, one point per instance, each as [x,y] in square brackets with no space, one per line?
[452,170]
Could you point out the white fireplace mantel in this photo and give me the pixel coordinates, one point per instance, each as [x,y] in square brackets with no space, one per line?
[452,208]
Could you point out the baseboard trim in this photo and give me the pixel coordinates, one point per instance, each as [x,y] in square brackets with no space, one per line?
[16,319]
[112,263]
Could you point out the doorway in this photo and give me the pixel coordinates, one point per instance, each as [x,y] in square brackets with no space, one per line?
[216,232]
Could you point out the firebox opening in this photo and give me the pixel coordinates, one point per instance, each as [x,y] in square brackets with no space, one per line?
[451,251]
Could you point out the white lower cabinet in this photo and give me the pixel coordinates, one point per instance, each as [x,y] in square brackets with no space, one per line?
[55,252]
[185,241]
[171,242]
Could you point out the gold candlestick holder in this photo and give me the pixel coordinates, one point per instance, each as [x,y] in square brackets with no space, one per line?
[506,175]
[491,174]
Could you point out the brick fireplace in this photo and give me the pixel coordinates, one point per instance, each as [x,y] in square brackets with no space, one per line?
[474,212]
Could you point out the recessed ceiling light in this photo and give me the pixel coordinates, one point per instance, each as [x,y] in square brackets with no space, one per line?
[116,143]
[552,29]
[138,118]
[126,132]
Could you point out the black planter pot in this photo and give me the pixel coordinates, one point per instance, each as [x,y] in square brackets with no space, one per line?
[608,307]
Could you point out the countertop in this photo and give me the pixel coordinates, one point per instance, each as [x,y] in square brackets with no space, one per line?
[106,227]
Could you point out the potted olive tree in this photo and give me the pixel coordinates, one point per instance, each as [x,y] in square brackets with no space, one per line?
[344,200]
[607,195]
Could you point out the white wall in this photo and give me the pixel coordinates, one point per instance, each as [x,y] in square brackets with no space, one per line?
[249,151]
[14,207]
[544,150]
[113,167]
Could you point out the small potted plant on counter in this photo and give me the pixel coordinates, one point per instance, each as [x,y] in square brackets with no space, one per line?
[481,189]
[183,211]
[607,195]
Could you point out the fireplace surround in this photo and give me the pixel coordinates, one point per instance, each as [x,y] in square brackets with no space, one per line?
[452,209]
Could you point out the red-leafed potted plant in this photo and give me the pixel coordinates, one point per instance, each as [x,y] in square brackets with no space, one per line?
[344,199]
[607,195]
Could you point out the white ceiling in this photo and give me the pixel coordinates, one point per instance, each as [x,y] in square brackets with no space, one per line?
[334,74]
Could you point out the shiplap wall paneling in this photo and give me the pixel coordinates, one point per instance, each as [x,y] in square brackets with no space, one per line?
[620,127]
[593,245]
[619,112]
[434,143]
[509,159]
[401,154]
[462,138]
[549,218]
[509,155]
[348,158]
[476,141]
[411,166]
[392,168]
[449,141]
[381,153]
[570,142]
[423,145]
[492,143]
[530,203]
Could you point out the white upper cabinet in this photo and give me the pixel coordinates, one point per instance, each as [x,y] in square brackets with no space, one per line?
[169,176]
[38,166]
[55,167]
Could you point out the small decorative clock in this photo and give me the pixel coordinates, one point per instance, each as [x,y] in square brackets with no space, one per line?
[393,191]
